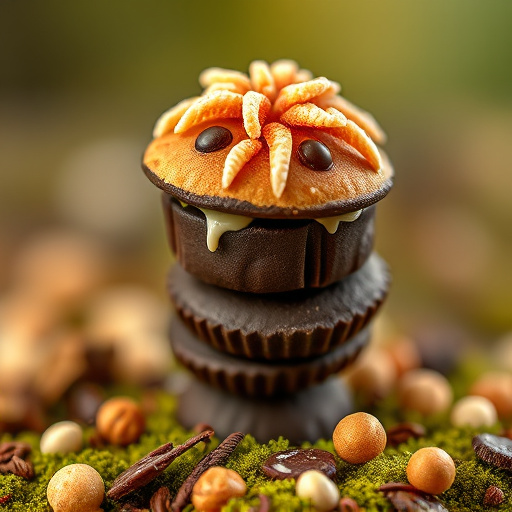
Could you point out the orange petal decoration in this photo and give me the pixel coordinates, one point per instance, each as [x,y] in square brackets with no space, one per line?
[308,114]
[169,119]
[284,72]
[362,118]
[238,156]
[212,75]
[216,105]
[261,79]
[255,108]
[279,140]
[357,138]
[224,86]
[300,93]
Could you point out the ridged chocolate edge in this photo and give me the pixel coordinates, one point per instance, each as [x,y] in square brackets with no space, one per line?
[257,379]
[281,345]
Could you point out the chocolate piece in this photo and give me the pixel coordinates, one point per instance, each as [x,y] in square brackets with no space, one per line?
[493,449]
[8,449]
[255,378]
[406,498]
[268,418]
[292,463]
[348,505]
[213,139]
[217,457]
[269,256]
[18,467]
[494,496]
[299,324]
[150,466]
[161,500]
[315,155]
[402,432]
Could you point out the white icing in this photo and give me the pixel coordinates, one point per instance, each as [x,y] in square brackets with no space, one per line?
[332,223]
[217,223]
[281,468]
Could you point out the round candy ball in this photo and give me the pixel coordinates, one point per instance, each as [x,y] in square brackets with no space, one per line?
[425,391]
[431,470]
[474,411]
[120,421]
[76,487]
[496,387]
[321,490]
[359,437]
[62,437]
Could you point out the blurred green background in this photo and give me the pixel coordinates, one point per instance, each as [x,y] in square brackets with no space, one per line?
[81,84]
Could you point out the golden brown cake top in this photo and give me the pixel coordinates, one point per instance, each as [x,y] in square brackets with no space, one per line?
[273,143]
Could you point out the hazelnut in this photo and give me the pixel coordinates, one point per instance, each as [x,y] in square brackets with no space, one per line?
[475,411]
[215,487]
[62,437]
[431,470]
[359,437]
[321,490]
[425,391]
[120,421]
[76,487]
[496,387]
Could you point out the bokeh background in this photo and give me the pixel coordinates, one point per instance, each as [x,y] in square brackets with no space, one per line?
[81,84]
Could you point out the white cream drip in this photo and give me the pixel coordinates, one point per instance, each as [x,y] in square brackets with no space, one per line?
[332,223]
[217,223]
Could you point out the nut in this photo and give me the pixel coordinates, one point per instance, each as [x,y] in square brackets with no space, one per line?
[348,505]
[120,421]
[425,391]
[318,488]
[76,487]
[215,487]
[402,432]
[494,496]
[475,411]
[359,437]
[62,437]
[431,470]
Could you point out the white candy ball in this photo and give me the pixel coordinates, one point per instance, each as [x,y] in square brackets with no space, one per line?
[474,411]
[62,437]
[318,488]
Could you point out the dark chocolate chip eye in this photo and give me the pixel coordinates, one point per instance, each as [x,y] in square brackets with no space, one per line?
[315,155]
[213,139]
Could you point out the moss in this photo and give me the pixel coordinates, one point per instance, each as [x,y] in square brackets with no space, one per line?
[360,482]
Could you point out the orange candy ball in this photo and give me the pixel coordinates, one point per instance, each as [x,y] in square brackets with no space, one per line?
[359,437]
[431,470]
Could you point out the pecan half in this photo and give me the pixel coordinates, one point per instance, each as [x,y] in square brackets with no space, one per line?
[10,448]
[18,467]
[494,496]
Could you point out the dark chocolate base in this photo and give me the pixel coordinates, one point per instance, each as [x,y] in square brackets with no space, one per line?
[254,378]
[270,255]
[295,325]
[306,416]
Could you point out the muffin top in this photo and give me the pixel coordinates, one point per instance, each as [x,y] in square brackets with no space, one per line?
[275,143]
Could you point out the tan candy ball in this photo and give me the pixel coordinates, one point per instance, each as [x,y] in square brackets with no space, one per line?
[359,437]
[321,490]
[496,387]
[431,470]
[77,487]
[474,411]
[216,487]
[62,437]
[425,391]
[120,421]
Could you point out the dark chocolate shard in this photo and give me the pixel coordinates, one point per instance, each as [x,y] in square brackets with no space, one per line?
[406,498]
[217,457]
[292,463]
[149,467]
[493,449]
[161,500]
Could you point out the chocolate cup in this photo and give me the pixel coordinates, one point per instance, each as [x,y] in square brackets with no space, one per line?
[255,378]
[309,415]
[282,326]
[270,255]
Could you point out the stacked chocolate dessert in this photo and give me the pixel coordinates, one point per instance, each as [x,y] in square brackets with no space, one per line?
[270,183]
